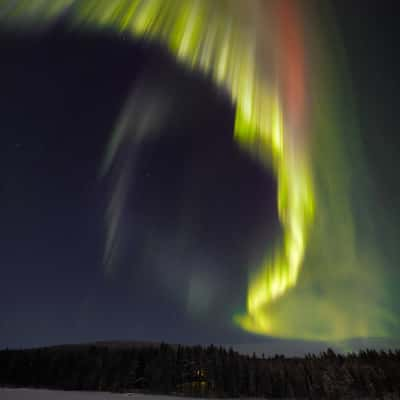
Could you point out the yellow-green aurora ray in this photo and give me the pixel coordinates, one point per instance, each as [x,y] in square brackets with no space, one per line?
[238,44]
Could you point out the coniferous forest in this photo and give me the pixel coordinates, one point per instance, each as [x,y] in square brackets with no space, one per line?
[203,371]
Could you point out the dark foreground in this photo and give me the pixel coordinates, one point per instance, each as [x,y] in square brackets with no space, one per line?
[44,394]
[199,371]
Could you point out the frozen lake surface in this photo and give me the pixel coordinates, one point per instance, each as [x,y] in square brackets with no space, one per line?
[42,394]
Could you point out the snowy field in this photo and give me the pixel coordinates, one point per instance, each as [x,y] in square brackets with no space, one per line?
[42,394]
[39,394]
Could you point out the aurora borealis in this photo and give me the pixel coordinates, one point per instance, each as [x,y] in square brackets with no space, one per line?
[281,64]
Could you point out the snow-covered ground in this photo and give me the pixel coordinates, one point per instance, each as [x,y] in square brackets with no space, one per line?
[42,394]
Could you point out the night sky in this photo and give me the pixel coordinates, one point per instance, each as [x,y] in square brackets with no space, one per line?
[189,212]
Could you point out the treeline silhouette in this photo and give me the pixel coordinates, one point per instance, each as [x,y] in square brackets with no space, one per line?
[203,371]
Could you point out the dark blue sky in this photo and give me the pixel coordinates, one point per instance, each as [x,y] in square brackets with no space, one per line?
[60,98]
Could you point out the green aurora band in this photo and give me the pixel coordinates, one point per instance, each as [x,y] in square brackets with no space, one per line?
[322,280]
